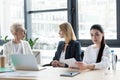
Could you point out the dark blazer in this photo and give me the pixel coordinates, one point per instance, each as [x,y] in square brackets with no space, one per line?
[73,50]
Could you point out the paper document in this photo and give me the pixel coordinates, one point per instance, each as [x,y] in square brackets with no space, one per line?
[21,73]
[70,62]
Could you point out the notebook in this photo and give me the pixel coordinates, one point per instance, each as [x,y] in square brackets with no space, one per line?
[25,62]
[2,70]
[70,73]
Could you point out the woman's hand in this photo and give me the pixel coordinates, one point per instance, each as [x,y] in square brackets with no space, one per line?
[56,63]
[84,66]
[81,65]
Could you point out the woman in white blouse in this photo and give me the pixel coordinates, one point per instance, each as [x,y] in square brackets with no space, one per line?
[97,55]
[16,45]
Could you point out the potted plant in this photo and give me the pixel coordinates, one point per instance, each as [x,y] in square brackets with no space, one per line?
[31,42]
[5,39]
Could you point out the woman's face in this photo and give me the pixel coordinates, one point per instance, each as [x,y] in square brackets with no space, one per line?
[20,33]
[61,33]
[96,36]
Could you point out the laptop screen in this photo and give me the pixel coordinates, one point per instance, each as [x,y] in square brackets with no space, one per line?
[24,62]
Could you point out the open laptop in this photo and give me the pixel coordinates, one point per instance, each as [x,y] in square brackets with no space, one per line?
[25,62]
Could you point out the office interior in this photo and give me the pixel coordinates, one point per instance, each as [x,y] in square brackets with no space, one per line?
[41,19]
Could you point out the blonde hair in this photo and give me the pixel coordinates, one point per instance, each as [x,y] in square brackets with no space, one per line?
[14,27]
[68,31]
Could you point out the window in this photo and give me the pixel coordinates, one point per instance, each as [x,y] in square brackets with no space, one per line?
[97,12]
[10,11]
[46,15]
[45,19]
[48,4]
[45,27]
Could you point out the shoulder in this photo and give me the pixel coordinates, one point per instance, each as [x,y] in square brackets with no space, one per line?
[61,42]
[8,43]
[90,47]
[107,48]
[74,42]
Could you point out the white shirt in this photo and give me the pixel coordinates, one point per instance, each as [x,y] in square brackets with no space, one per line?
[9,48]
[62,57]
[17,48]
[90,57]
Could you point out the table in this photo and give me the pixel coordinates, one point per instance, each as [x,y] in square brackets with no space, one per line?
[51,73]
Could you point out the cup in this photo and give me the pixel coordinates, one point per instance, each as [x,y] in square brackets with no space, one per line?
[2,61]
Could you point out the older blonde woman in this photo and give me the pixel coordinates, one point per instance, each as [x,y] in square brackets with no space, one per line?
[69,48]
[16,45]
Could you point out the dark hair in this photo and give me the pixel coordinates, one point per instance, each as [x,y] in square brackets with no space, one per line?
[100,53]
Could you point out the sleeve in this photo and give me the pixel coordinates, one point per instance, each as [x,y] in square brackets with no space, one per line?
[56,57]
[4,49]
[78,52]
[6,53]
[29,50]
[86,56]
[105,62]
[56,53]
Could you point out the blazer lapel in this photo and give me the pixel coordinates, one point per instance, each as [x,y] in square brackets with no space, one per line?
[60,49]
[23,47]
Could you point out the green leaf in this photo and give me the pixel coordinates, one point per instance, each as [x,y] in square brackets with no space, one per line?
[5,39]
[31,42]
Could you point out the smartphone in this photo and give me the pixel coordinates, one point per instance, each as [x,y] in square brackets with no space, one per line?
[69,74]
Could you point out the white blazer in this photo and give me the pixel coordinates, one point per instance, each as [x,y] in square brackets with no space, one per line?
[90,57]
[8,49]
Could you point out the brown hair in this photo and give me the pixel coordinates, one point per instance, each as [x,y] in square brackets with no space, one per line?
[100,53]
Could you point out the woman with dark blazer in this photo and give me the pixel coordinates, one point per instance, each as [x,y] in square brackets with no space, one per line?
[69,48]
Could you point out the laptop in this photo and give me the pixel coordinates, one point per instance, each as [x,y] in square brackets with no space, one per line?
[25,62]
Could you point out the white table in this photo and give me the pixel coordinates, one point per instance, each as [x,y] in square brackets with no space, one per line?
[54,74]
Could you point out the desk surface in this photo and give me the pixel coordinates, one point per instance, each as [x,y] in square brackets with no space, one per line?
[54,73]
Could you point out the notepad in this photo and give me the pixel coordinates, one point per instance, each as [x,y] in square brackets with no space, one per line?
[6,70]
[70,74]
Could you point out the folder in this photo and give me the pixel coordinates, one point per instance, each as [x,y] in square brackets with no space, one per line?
[6,70]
